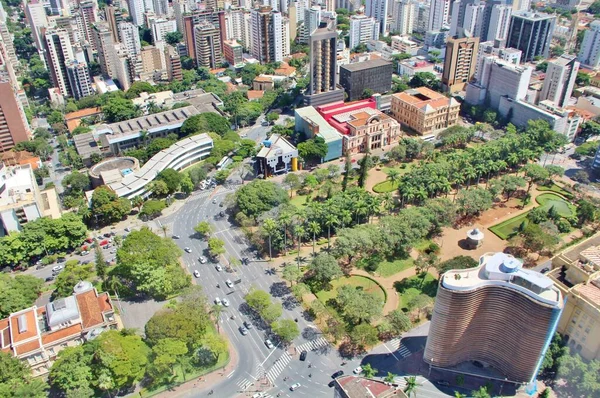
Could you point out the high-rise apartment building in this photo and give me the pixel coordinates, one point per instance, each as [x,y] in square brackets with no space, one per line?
[378,9]
[59,51]
[531,32]
[589,54]
[173,61]
[267,38]
[499,22]
[130,38]
[37,19]
[560,80]
[439,14]
[137,8]
[312,19]
[89,15]
[217,18]
[152,59]
[105,48]
[421,24]
[322,88]
[521,5]
[459,63]
[114,18]
[363,29]
[80,82]
[160,27]
[208,45]
[233,52]
[498,314]
[237,22]
[13,123]
[180,8]
[404,16]
[487,20]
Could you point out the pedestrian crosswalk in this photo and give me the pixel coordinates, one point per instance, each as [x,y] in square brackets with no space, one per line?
[398,348]
[278,367]
[244,383]
[312,345]
[403,351]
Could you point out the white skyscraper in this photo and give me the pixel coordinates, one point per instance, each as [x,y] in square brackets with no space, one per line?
[499,22]
[560,80]
[363,29]
[312,18]
[36,16]
[130,38]
[80,83]
[137,8]
[378,9]
[404,16]
[439,14]
[180,7]
[59,52]
[589,55]
[472,21]
[160,27]
[267,35]
[237,26]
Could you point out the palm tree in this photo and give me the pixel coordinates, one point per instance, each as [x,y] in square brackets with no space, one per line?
[393,175]
[143,136]
[269,227]
[330,220]
[411,386]
[164,228]
[285,219]
[470,173]
[459,395]
[360,208]
[300,233]
[345,217]
[216,311]
[314,228]
[389,378]
[373,206]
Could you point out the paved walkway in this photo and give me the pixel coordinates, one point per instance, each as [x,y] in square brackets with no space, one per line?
[393,298]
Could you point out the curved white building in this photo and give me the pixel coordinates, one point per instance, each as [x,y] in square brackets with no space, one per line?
[179,155]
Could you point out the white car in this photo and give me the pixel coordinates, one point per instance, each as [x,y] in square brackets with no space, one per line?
[187,249]
[57,268]
[226,302]
[218,301]
[202,260]
[197,273]
[218,267]
[358,370]
[127,229]
[229,283]
[269,344]
[85,253]
[294,386]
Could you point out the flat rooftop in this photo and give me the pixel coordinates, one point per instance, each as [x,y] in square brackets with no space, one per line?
[500,269]
[86,144]
[326,131]
[276,144]
[374,63]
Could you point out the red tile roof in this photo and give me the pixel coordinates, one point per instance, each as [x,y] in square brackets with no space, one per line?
[28,347]
[104,301]
[30,318]
[89,308]
[60,334]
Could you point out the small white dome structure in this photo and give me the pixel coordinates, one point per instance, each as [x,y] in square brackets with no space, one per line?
[474,238]
[82,286]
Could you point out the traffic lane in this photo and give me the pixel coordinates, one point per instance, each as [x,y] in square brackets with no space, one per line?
[46,271]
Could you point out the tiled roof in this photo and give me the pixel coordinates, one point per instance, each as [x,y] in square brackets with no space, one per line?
[31,325]
[89,308]
[61,334]
[4,335]
[255,94]
[263,79]
[590,291]
[27,347]
[423,96]
[104,301]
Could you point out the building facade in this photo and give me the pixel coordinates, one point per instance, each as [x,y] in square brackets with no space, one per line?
[14,127]
[267,38]
[208,45]
[375,75]
[500,302]
[233,52]
[589,54]
[80,82]
[378,9]
[363,29]
[560,80]
[424,110]
[106,48]
[277,156]
[531,33]
[59,51]
[460,63]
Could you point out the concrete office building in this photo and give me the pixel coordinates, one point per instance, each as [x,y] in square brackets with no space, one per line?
[267,38]
[576,272]
[531,32]
[424,110]
[59,51]
[378,9]
[233,52]
[498,78]
[404,16]
[421,24]
[80,82]
[460,63]
[560,80]
[375,75]
[105,47]
[499,301]
[363,29]
[499,22]
[173,63]
[129,37]
[589,54]
[322,87]
[208,45]
[14,127]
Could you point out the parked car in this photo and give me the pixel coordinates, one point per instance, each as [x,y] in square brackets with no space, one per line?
[229,283]
[57,268]
[175,236]
[303,355]
[243,331]
[358,370]
[197,273]
[127,229]
[218,301]
[269,344]
[50,279]
[107,235]
[218,267]
[225,302]
[545,270]
[247,325]
[442,383]
[85,253]
[294,386]
[188,250]
[222,213]
[337,374]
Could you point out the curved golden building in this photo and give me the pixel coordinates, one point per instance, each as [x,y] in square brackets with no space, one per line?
[498,313]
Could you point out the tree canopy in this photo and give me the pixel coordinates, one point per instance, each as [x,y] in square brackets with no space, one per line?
[16,380]
[208,122]
[18,293]
[107,205]
[259,196]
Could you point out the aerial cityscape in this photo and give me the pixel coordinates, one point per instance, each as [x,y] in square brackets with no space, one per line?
[294,198]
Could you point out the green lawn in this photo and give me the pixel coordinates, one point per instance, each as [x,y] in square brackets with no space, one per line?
[507,228]
[556,189]
[385,187]
[415,285]
[298,200]
[389,268]
[362,282]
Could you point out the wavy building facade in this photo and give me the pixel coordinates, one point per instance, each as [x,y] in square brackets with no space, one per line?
[498,314]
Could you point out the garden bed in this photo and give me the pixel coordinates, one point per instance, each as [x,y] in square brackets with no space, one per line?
[556,189]
[366,284]
[413,286]
[389,268]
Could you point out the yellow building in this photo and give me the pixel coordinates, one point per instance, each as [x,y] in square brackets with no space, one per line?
[577,274]
[424,110]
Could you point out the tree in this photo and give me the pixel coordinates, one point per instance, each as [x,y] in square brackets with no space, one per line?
[269,227]
[100,263]
[149,264]
[542,66]
[586,212]
[291,273]
[358,306]
[119,109]
[419,302]
[368,371]
[314,228]
[76,181]
[481,393]
[216,344]
[363,172]
[535,238]
[347,170]
[208,122]
[324,268]
[159,188]
[583,79]
[186,185]
[509,184]
[172,178]
[535,173]
[313,149]
[259,196]
[473,201]
[18,293]
[399,322]
[152,208]
[72,371]
[173,38]
[458,262]
[216,247]
[165,354]
[286,329]
[364,335]
[16,380]
[71,276]
[581,176]
[272,117]
[390,377]
[107,205]
[426,79]
[411,386]
[203,229]
[259,300]
[367,93]
[589,129]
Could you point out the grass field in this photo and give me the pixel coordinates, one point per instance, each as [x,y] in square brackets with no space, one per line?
[413,286]
[362,282]
[387,186]
[507,228]
[298,200]
[389,268]
[556,189]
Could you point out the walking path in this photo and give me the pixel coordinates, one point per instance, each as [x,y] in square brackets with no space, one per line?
[393,298]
